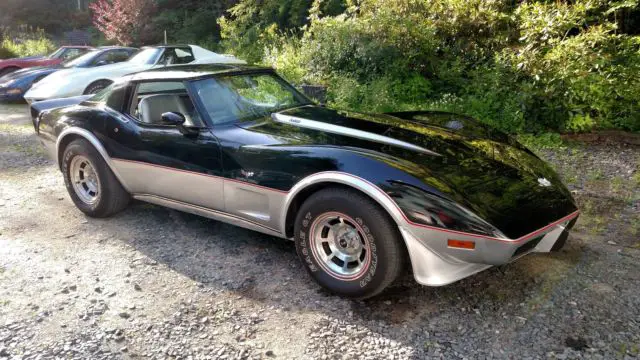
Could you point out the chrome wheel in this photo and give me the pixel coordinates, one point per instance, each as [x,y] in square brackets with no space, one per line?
[84,179]
[340,245]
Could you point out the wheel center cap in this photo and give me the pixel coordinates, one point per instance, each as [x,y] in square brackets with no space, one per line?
[349,243]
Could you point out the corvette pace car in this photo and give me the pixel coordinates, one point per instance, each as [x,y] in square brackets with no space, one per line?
[361,195]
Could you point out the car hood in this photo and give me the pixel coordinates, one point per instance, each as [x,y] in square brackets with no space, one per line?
[470,163]
[26,58]
[82,77]
[111,71]
[29,72]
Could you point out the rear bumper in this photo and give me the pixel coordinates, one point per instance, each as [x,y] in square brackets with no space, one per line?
[435,263]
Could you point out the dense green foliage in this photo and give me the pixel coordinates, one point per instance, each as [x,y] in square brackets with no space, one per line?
[523,66]
[191,21]
[54,16]
[25,43]
[530,66]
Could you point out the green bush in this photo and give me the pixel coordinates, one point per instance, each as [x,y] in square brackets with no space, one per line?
[6,53]
[27,43]
[524,67]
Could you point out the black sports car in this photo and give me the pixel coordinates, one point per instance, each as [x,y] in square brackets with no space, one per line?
[362,195]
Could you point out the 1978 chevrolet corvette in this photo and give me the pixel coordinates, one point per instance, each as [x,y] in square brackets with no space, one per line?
[361,195]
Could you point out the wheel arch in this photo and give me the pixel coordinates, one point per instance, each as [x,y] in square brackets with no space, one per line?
[70,134]
[108,81]
[314,183]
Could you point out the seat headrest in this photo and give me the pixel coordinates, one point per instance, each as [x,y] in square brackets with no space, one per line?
[152,107]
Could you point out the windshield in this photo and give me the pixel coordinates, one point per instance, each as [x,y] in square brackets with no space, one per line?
[81,60]
[145,57]
[246,97]
[56,54]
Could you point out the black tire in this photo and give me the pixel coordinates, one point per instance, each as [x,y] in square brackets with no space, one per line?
[111,197]
[375,229]
[8,70]
[96,87]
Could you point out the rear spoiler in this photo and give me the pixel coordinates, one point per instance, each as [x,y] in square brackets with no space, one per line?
[39,107]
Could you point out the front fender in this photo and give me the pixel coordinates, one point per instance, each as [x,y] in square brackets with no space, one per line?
[343,178]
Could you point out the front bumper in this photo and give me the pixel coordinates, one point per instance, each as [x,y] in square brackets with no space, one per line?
[436,264]
[11,95]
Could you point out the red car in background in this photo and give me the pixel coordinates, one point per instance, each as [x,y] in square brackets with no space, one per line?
[57,57]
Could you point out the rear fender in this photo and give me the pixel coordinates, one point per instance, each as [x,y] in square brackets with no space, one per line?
[39,107]
[67,135]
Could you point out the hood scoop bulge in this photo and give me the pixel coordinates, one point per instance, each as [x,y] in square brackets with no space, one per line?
[346,131]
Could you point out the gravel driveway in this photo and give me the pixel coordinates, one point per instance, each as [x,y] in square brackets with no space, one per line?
[156,283]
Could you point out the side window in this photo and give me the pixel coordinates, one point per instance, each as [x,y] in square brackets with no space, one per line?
[176,56]
[120,56]
[185,56]
[111,57]
[71,53]
[101,60]
[152,99]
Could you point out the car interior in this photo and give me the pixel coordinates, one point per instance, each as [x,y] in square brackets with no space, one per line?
[156,98]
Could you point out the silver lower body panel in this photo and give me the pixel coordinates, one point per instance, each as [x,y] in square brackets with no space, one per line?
[208,213]
[434,264]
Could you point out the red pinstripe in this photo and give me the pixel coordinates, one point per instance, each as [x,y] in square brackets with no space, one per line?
[520,239]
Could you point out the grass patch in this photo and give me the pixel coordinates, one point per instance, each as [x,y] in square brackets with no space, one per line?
[617,184]
[570,176]
[29,150]
[551,271]
[598,225]
[8,128]
[628,349]
[595,175]
[633,230]
[542,141]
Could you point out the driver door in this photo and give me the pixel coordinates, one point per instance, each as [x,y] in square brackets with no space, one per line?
[177,163]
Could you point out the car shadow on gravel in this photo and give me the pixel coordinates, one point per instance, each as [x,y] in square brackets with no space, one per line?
[264,269]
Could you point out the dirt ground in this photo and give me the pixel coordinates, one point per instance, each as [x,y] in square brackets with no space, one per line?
[157,283]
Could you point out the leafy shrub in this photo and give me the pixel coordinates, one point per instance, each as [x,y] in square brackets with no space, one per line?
[27,43]
[251,26]
[6,54]
[29,47]
[524,67]
[542,141]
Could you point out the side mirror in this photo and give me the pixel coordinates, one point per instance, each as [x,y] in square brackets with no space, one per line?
[173,118]
[102,63]
[177,119]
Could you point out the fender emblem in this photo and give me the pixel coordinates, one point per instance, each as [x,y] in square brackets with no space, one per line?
[544,182]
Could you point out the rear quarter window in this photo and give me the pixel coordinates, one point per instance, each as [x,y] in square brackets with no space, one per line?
[113,96]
